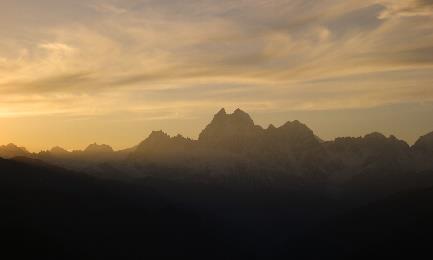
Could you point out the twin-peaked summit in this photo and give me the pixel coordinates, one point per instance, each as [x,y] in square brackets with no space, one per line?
[233,150]
[239,123]
[229,127]
[236,131]
[238,119]
[233,143]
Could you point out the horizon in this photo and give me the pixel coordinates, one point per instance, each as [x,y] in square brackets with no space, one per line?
[263,126]
[109,71]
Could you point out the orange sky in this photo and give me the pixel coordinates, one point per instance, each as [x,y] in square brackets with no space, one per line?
[78,72]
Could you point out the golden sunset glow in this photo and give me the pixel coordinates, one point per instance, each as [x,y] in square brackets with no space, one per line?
[111,71]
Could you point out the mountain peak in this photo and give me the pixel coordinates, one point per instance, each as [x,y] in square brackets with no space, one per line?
[224,124]
[296,126]
[375,135]
[242,115]
[96,148]
[160,143]
[12,150]
[12,146]
[221,112]
[158,135]
[239,111]
[155,138]
[271,126]
[58,150]
[424,143]
[237,115]
[296,134]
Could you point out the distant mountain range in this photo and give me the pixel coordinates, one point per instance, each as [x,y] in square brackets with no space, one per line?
[232,146]
[239,191]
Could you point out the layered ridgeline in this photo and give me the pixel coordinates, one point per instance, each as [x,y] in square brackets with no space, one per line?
[233,148]
[238,191]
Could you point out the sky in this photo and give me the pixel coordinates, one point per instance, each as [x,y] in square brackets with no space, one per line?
[111,71]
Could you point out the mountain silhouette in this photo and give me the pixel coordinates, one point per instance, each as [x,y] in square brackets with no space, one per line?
[239,190]
[52,213]
[233,146]
[11,150]
[226,128]
[58,151]
[424,143]
[98,149]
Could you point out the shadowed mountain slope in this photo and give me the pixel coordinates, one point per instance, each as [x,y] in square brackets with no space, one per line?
[398,226]
[52,213]
[233,147]
[239,191]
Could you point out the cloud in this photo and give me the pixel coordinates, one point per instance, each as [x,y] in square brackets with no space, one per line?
[258,53]
[58,83]
[408,8]
[57,47]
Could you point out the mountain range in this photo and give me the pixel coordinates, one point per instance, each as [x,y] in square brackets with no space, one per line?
[240,191]
[233,146]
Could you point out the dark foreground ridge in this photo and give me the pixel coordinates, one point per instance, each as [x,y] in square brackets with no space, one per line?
[238,192]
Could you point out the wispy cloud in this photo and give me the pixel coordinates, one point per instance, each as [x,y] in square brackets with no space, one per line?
[57,47]
[408,8]
[142,48]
